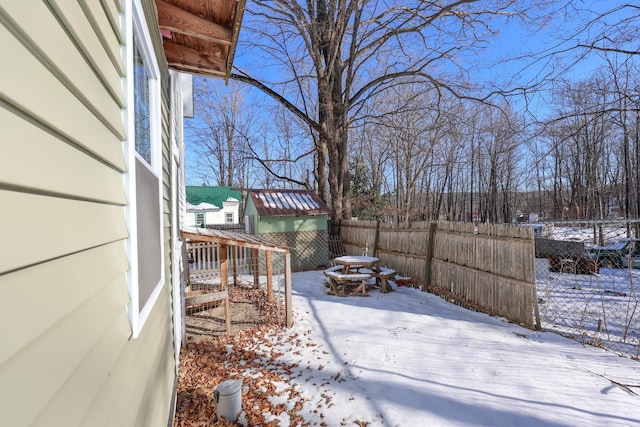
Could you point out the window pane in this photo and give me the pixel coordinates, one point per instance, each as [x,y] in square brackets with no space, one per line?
[149,238]
[141,105]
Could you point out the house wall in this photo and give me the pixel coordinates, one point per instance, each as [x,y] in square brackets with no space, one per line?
[230,207]
[251,218]
[67,356]
[215,217]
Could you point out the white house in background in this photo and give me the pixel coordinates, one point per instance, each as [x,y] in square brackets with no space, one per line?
[212,205]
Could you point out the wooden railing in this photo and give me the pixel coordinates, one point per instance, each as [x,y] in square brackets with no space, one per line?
[204,260]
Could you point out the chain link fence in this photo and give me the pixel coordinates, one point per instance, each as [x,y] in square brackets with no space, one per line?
[586,276]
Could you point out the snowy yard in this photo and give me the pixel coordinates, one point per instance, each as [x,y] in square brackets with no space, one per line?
[408,358]
[601,309]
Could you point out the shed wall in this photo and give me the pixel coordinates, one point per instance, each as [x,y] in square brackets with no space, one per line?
[289,224]
[309,249]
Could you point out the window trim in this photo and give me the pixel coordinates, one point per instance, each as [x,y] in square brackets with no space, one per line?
[204,218]
[137,31]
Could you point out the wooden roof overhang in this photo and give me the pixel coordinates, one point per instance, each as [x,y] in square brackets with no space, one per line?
[231,238]
[200,36]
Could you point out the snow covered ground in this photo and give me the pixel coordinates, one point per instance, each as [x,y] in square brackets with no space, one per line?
[602,309]
[408,358]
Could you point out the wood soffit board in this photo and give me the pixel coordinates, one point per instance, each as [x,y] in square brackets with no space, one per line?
[200,36]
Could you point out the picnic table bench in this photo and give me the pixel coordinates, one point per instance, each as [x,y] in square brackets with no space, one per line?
[356,271]
[382,275]
[340,283]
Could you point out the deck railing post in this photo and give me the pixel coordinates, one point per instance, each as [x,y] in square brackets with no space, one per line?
[287,290]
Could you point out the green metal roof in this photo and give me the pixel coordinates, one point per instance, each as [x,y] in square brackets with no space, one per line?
[197,194]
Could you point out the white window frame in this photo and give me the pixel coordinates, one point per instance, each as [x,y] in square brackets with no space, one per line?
[136,29]
[204,219]
[226,218]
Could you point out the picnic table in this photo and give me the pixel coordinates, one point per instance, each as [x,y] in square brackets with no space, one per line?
[355,262]
[353,270]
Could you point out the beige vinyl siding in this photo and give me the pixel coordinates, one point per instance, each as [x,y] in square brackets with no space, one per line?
[135,372]
[112,9]
[45,369]
[85,35]
[149,399]
[46,162]
[76,277]
[59,54]
[57,227]
[103,28]
[38,93]
[66,353]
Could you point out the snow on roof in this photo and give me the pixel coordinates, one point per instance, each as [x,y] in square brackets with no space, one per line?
[202,206]
[213,195]
[288,202]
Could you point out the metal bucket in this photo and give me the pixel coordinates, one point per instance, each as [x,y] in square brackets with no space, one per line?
[228,399]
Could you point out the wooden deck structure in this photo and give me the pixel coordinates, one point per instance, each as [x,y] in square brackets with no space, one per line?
[222,240]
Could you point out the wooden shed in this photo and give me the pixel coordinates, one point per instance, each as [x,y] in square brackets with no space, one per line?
[295,218]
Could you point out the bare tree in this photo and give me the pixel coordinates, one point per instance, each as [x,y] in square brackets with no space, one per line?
[497,159]
[220,135]
[581,143]
[335,55]
[593,133]
[611,31]
[238,143]
[286,156]
[623,77]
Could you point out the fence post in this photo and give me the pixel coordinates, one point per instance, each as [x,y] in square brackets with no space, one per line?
[256,268]
[429,256]
[536,311]
[376,239]
[287,290]
[234,256]
[269,275]
[224,267]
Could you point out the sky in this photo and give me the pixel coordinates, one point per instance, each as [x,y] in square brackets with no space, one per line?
[512,40]
[409,358]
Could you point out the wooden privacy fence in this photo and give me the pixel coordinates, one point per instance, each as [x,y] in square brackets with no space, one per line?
[491,266]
